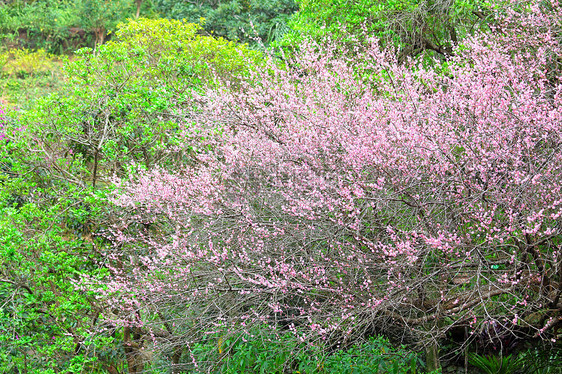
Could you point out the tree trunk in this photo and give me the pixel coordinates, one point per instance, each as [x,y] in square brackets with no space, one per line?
[135,359]
[139,2]
[432,358]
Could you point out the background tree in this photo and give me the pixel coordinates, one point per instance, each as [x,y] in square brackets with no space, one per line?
[62,26]
[101,16]
[235,20]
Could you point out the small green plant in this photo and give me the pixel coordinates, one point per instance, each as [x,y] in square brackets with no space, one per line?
[496,364]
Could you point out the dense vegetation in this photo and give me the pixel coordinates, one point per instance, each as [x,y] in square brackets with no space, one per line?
[382,193]
[60,26]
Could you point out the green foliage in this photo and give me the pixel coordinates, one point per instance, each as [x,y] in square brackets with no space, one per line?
[23,62]
[542,360]
[413,26]
[237,20]
[173,49]
[26,75]
[42,23]
[262,352]
[123,102]
[119,104]
[47,323]
[63,25]
[101,16]
[496,364]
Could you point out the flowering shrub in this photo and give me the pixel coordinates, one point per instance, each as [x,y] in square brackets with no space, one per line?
[335,206]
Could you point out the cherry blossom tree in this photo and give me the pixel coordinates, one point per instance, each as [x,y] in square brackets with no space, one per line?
[346,197]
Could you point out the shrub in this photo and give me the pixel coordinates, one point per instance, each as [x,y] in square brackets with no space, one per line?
[46,323]
[336,206]
[27,75]
[23,63]
[266,351]
[123,102]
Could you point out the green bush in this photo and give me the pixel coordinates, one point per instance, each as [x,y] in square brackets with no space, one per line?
[174,50]
[22,63]
[264,351]
[26,75]
[542,359]
[124,102]
[48,324]
[119,104]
